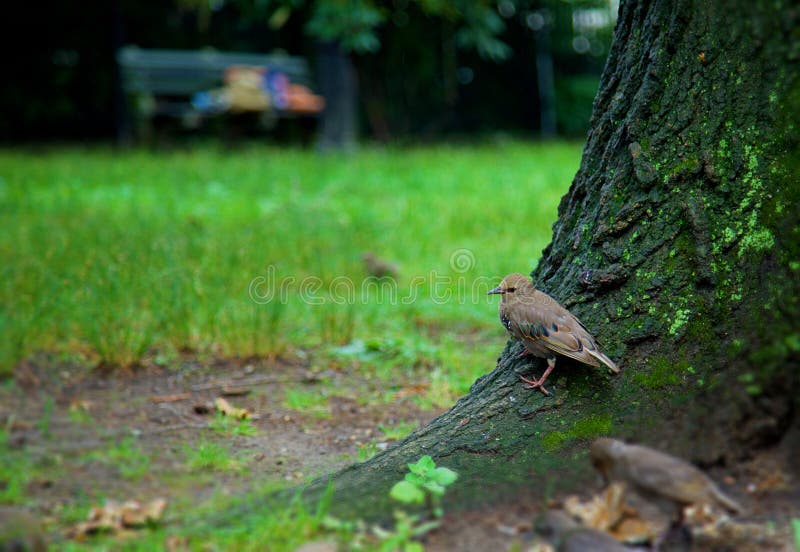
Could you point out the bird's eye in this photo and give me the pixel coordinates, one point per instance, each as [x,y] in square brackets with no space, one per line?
[511,289]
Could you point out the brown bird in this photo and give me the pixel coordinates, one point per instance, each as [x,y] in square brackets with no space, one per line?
[546,328]
[663,479]
[380,268]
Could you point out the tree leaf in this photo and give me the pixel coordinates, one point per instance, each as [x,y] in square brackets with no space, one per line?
[423,465]
[408,493]
[444,476]
[434,488]
[415,479]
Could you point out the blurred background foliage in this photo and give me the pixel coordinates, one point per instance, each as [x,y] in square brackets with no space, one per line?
[425,68]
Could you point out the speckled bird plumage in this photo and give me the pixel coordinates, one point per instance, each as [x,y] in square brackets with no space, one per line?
[545,328]
[656,474]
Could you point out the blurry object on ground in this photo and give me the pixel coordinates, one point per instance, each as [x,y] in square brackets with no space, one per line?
[609,512]
[568,535]
[224,407]
[649,494]
[20,530]
[119,518]
[319,546]
[657,476]
[380,268]
[656,499]
[194,85]
[712,533]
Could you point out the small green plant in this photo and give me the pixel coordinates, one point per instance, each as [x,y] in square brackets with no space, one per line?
[406,528]
[80,415]
[14,475]
[232,426]
[796,531]
[207,455]
[273,525]
[367,451]
[310,402]
[47,417]
[128,457]
[425,483]
[398,430]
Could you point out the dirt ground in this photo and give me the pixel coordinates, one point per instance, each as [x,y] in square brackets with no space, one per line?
[65,419]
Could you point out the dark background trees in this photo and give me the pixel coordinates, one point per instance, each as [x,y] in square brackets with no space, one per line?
[422,68]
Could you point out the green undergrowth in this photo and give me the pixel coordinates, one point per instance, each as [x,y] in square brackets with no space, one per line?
[129,257]
[127,457]
[271,519]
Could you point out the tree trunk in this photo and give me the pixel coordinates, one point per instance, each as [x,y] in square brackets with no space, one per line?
[677,245]
[545,78]
[337,81]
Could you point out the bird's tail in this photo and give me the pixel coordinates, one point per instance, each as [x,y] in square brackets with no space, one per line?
[605,360]
[727,502]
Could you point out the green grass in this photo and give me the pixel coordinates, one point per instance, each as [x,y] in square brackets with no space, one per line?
[14,476]
[121,255]
[278,527]
[312,401]
[397,431]
[19,468]
[232,426]
[208,455]
[127,457]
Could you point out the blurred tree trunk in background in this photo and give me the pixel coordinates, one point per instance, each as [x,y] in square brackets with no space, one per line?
[338,85]
[544,76]
[678,245]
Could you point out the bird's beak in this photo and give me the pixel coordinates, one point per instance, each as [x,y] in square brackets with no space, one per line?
[496,290]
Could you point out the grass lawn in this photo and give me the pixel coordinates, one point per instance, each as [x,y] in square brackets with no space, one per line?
[121,257]
[137,258]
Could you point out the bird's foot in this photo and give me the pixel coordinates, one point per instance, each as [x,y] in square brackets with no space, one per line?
[525,352]
[535,384]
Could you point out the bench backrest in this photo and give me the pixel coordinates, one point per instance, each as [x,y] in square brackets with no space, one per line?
[184,72]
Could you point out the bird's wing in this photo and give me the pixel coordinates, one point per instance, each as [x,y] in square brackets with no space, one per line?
[666,475]
[549,325]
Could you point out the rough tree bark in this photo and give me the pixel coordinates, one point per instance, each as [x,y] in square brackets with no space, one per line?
[677,245]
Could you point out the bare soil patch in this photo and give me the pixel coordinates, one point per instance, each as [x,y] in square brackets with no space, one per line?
[66,419]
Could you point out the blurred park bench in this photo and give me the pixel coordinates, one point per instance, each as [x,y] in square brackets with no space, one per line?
[194,85]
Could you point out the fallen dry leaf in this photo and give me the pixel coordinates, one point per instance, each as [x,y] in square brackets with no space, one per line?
[80,405]
[625,520]
[234,391]
[602,511]
[739,536]
[135,514]
[411,390]
[227,409]
[170,398]
[118,517]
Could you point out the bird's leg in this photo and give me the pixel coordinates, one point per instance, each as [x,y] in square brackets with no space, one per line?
[525,352]
[538,384]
